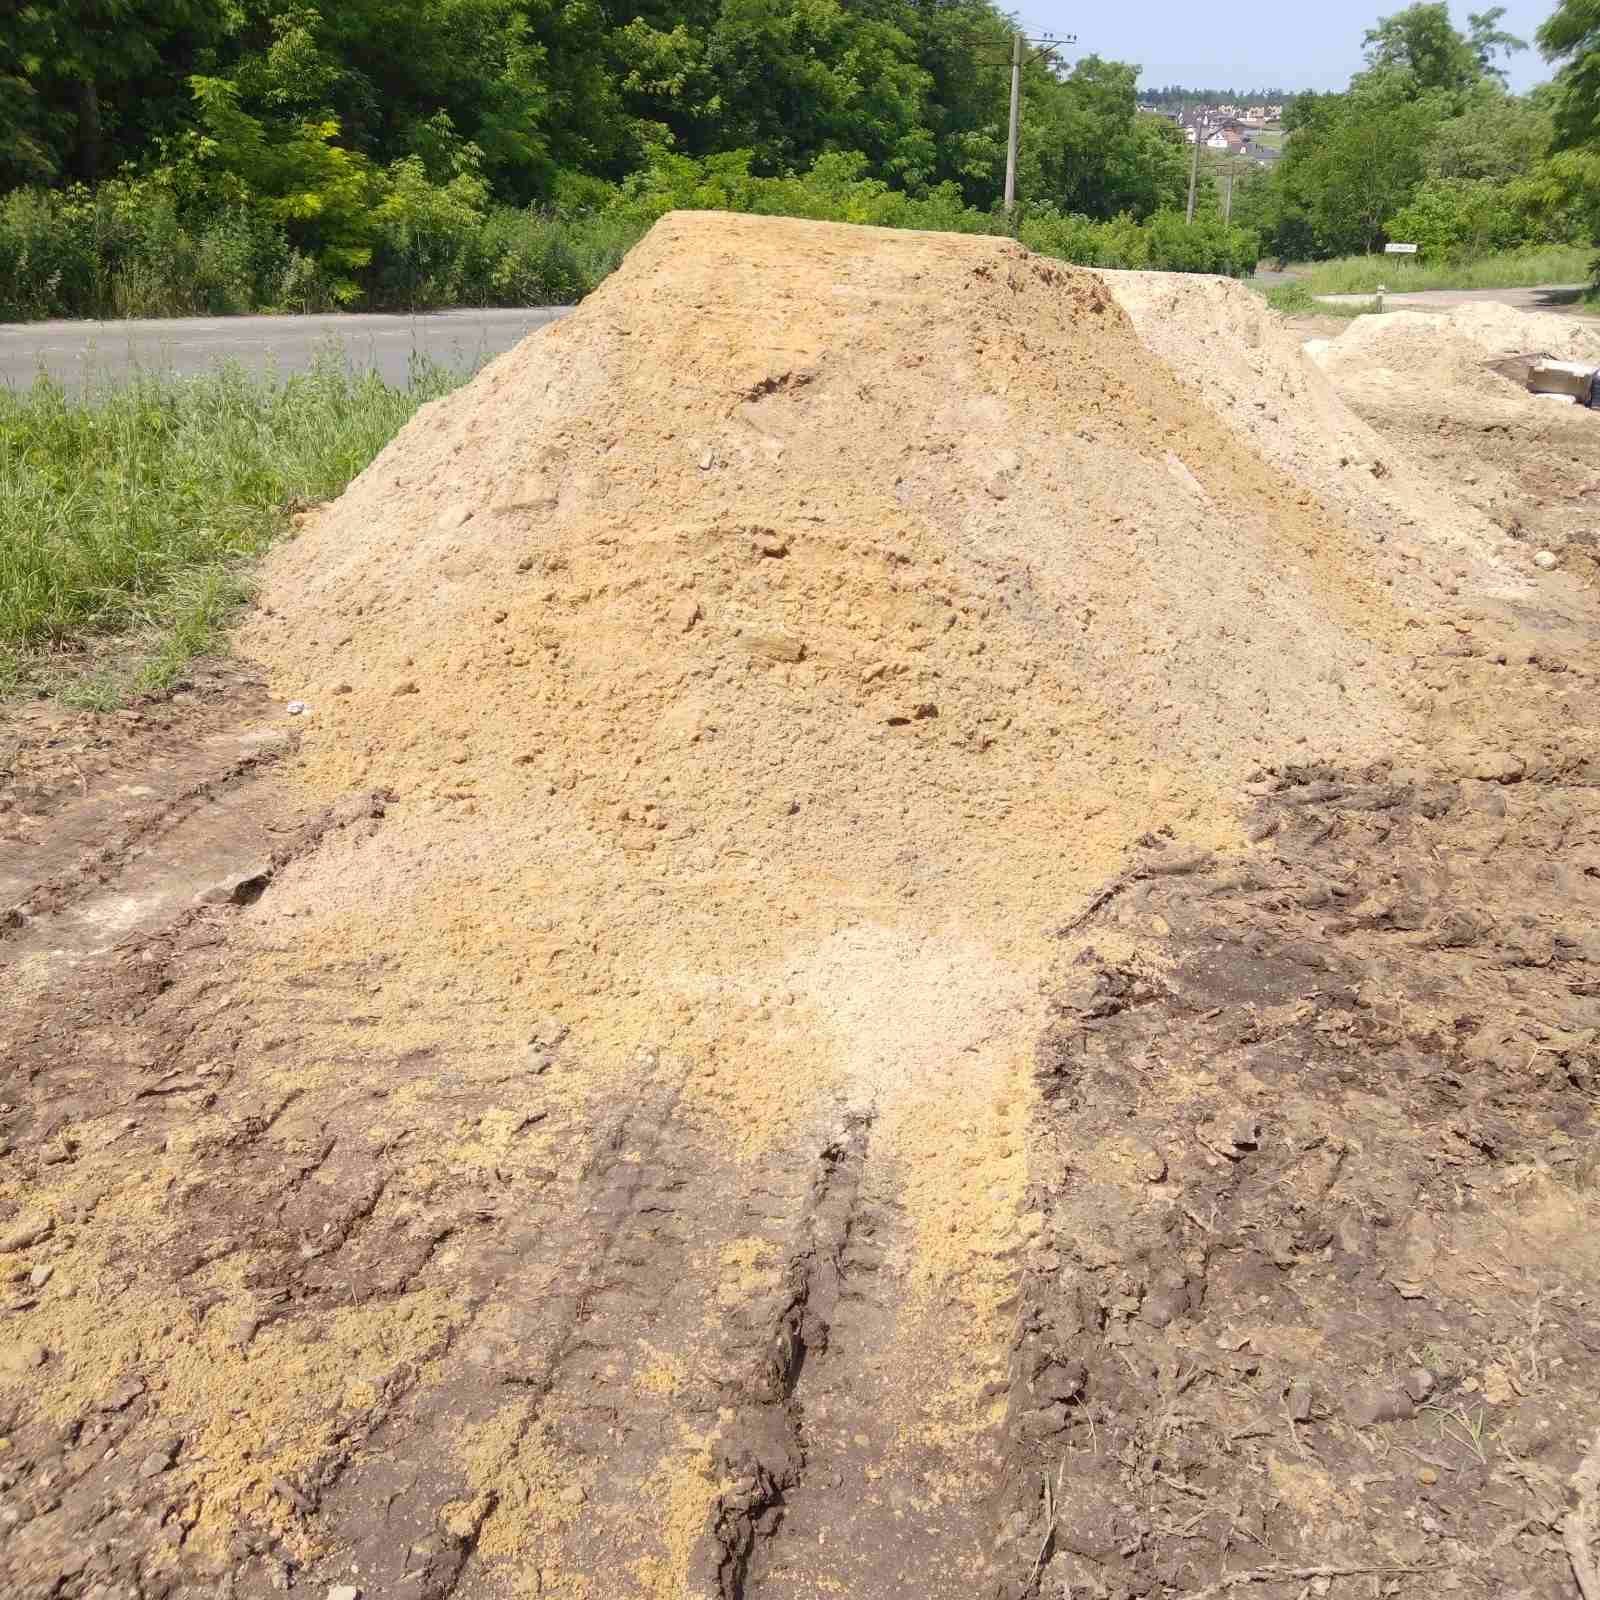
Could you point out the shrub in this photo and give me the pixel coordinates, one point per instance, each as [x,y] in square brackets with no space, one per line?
[294,226]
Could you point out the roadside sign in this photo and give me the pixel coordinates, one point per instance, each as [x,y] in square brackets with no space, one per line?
[1399,249]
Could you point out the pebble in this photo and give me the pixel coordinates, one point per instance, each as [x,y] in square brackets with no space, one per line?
[1499,767]
[155,1463]
[344,1591]
[22,1358]
[25,1231]
[1427,1475]
[1544,560]
[1373,1406]
[1420,1383]
[575,1496]
[40,1276]
[297,708]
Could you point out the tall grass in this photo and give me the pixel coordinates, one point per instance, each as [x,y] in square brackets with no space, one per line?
[1509,269]
[135,509]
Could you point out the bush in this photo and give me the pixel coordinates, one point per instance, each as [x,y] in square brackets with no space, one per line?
[1454,218]
[1167,243]
[123,251]
[185,239]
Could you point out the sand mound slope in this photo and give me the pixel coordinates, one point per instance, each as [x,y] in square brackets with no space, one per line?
[786,501]
[1527,463]
[810,575]
[1242,361]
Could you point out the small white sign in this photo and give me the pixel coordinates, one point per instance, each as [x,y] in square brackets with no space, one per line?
[1399,249]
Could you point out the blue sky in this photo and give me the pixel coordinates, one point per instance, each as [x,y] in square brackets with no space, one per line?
[1301,44]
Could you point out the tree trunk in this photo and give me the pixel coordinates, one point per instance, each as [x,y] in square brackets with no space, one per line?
[88,131]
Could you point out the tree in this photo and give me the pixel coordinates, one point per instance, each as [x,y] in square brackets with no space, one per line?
[1422,41]
[1487,40]
[1495,135]
[1571,36]
[101,73]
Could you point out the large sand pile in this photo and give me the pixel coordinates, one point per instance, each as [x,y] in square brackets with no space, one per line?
[809,575]
[769,668]
[1424,379]
[812,577]
[764,661]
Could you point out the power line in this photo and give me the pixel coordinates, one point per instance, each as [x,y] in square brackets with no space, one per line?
[1047,45]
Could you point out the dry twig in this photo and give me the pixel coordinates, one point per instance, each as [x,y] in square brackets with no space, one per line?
[1238,1580]
[1581,1525]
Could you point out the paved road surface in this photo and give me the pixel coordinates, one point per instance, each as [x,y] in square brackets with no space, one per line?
[75,351]
[1552,297]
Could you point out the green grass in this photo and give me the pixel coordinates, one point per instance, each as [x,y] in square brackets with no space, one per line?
[1295,300]
[130,515]
[1402,274]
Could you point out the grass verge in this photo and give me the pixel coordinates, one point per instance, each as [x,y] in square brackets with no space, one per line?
[1510,269]
[134,511]
[1295,300]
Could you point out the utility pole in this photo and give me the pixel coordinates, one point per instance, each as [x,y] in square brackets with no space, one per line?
[1227,199]
[1194,168]
[1016,119]
[1047,45]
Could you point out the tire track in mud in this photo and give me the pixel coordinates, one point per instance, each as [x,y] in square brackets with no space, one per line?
[761,1456]
[100,838]
[891,1490]
[408,1516]
[1314,1282]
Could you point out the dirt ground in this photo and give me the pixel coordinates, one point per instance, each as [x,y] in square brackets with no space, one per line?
[1075,1178]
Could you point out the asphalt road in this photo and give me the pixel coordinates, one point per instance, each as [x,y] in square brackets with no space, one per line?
[79,352]
[1551,297]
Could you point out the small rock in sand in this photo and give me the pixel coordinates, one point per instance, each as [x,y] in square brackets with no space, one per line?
[25,1231]
[1545,560]
[1368,1407]
[1499,767]
[1420,1383]
[17,1360]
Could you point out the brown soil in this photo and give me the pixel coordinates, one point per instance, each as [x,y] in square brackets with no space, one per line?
[883,902]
